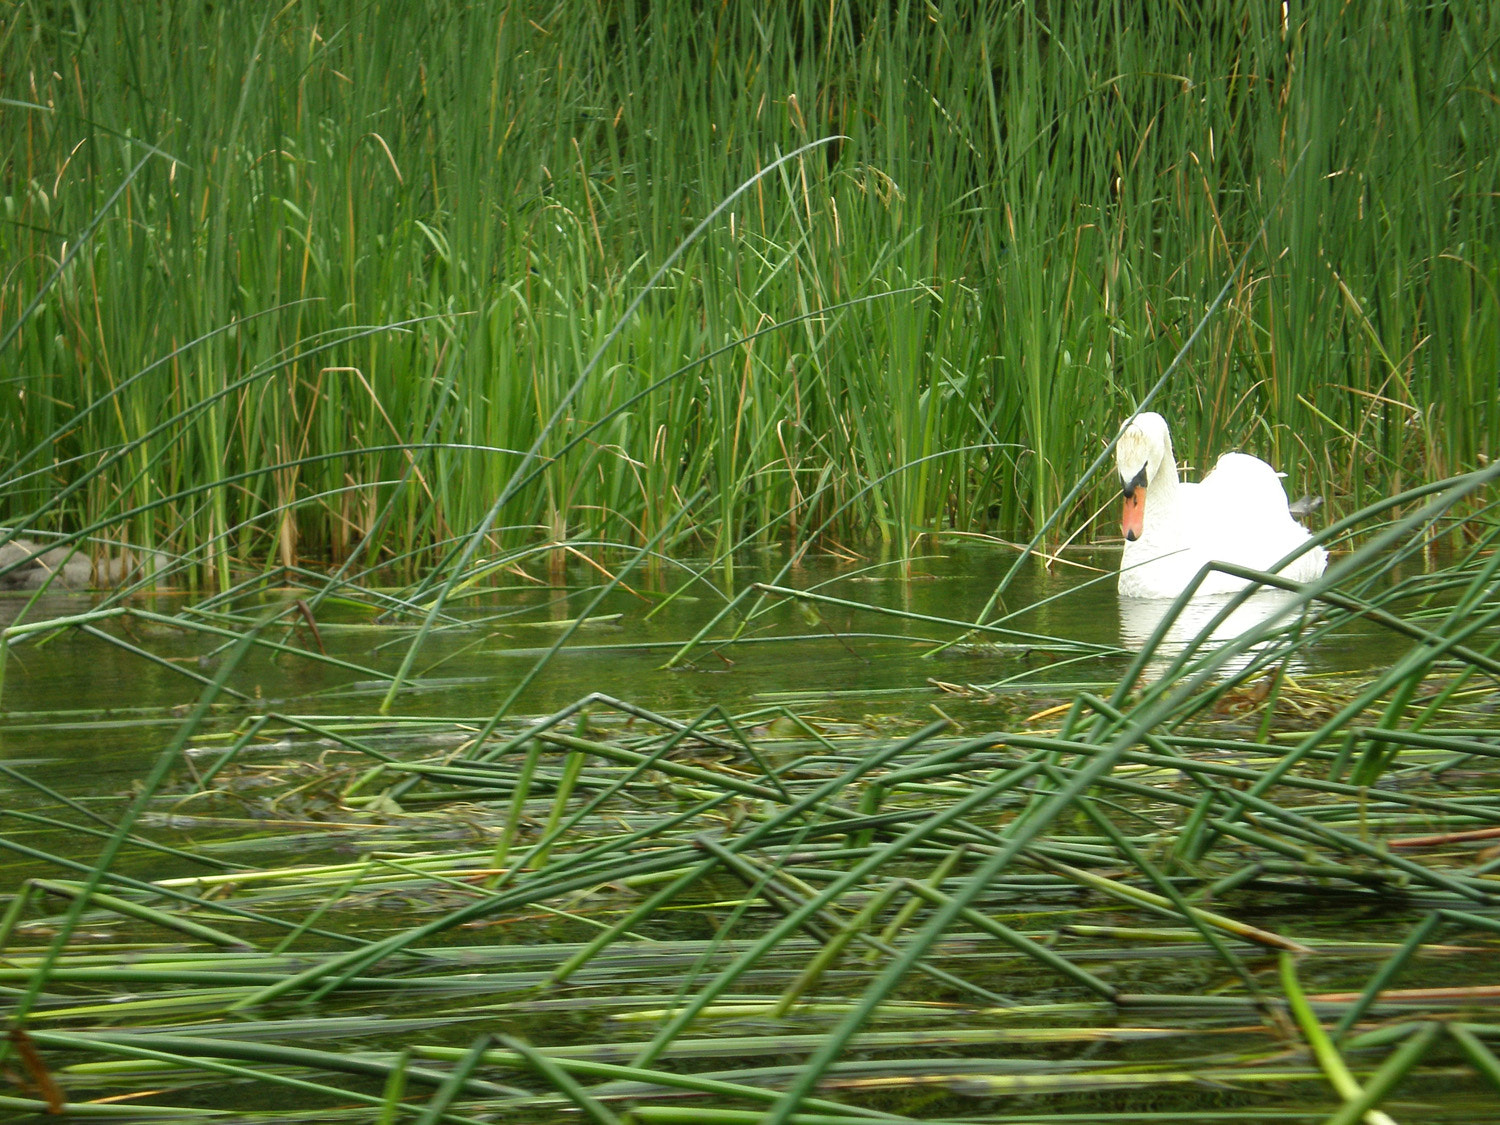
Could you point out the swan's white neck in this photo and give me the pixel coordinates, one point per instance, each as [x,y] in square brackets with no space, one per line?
[1161,483]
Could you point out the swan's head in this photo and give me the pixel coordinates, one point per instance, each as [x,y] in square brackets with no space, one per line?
[1144,444]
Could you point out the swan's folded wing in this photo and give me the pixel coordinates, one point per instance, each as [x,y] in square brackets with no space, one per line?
[1243,511]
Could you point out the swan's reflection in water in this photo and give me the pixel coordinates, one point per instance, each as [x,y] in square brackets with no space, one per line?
[1140,617]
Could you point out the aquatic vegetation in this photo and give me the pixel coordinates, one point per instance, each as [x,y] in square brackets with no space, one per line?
[1220,886]
[331,286]
[511,337]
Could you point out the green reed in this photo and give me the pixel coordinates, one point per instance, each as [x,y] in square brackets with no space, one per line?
[392,283]
[996,268]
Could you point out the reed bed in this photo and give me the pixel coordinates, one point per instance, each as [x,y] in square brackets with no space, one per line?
[351,319]
[353,281]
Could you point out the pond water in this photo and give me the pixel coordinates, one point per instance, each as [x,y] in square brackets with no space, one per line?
[86,712]
[1057,627]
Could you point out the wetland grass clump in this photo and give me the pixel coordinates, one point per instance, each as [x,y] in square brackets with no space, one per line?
[289,288]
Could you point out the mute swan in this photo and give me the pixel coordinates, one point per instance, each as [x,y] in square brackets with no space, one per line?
[1236,514]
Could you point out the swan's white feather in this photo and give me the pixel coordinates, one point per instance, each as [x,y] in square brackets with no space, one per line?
[1237,514]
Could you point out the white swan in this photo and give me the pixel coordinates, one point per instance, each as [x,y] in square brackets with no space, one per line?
[1236,514]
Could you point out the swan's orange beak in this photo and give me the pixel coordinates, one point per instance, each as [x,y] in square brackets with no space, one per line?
[1135,513]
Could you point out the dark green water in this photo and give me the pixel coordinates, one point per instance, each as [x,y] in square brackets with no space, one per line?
[85,716]
[843,658]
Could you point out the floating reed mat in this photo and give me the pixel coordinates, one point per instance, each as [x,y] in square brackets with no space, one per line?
[768,917]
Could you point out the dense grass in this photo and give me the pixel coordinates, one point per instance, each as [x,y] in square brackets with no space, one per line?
[275,284]
[472,289]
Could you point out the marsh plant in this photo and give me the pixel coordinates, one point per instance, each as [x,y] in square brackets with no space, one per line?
[333,280]
[358,318]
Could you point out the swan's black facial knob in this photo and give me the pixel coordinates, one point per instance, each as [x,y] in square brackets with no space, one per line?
[1132,521]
